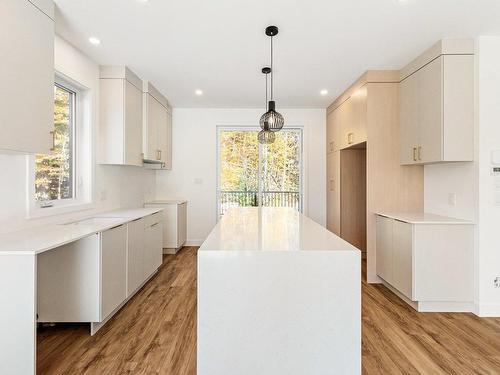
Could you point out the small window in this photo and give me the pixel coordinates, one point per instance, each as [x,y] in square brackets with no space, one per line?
[55,172]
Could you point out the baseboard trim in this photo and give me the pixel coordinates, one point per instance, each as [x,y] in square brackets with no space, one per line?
[194,242]
[488,310]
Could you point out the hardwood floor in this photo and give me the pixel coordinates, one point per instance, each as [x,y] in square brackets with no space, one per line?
[155,333]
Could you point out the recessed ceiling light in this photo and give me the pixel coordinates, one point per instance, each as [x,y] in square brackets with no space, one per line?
[323,92]
[198,92]
[95,41]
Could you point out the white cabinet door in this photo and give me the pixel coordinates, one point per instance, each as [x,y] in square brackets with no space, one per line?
[133,125]
[27,76]
[181,224]
[409,120]
[153,253]
[163,134]
[430,99]
[135,255]
[166,148]
[113,269]
[402,257]
[153,117]
[385,248]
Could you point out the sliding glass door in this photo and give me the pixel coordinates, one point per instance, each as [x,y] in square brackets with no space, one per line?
[251,174]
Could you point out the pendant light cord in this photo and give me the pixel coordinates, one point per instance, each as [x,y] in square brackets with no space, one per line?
[272,70]
[266,92]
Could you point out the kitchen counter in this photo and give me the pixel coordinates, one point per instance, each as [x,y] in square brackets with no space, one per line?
[275,286]
[43,238]
[422,218]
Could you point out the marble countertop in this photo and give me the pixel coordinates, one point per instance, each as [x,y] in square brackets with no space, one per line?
[271,229]
[422,218]
[36,240]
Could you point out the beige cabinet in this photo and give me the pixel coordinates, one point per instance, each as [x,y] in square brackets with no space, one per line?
[333,193]
[333,131]
[27,76]
[157,127]
[135,255]
[427,258]
[153,250]
[353,117]
[121,111]
[437,111]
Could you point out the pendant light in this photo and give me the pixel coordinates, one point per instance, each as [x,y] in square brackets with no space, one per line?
[272,120]
[266,136]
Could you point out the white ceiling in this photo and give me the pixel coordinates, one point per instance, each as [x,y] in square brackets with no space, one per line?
[219,46]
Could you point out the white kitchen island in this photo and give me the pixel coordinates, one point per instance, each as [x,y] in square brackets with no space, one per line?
[277,294]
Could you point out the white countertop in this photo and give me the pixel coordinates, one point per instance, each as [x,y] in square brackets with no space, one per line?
[42,238]
[167,201]
[422,218]
[271,229]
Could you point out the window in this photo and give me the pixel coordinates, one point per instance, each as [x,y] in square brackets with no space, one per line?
[251,174]
[61,181]
[54,173]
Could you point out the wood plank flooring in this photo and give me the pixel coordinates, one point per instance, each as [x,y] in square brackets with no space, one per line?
[155,333]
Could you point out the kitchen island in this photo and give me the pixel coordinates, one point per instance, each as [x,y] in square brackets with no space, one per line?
[277,294]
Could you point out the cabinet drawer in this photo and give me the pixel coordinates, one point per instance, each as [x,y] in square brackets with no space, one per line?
[152,219]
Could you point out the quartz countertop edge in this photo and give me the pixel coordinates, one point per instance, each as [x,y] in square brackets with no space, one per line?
[36,240]
[270,229]
[423,218]
[166,201]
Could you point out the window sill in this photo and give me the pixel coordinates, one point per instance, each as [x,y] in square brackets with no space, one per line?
[36,213]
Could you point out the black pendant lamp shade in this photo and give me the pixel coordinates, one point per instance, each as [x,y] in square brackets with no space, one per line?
[271,120]
[266,136]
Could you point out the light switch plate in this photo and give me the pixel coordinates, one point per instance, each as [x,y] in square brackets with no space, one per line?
[452,199]
[495,157]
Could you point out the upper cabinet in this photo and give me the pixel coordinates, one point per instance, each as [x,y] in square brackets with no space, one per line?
[437,105]
[120,116]
[157,129]
[27,75]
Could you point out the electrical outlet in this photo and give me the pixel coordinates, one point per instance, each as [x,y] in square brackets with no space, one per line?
[452,199]
[496,282]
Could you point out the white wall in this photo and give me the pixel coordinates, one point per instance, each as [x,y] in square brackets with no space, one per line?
[489,140]
[472,182]
[114,186]
[194,161]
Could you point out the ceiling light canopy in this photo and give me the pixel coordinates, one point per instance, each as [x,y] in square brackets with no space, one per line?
[198,92]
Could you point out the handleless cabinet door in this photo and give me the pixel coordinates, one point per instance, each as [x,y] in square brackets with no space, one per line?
[135,255]
[430,99]
[133,125]
[153,251]
[154,117]
[402,257]
[27,76]
[384,243]
[409,120]
[113,269]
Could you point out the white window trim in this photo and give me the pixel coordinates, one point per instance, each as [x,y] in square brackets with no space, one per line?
[82,159]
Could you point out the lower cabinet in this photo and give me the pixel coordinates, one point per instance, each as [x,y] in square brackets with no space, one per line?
[429,263]
[87,280]
[113,269]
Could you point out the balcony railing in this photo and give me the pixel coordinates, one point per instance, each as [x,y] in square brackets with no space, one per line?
[230,199]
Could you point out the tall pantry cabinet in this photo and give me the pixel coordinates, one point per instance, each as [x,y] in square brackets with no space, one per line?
[364,175]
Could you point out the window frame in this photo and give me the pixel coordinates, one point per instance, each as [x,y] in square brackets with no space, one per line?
[82,159]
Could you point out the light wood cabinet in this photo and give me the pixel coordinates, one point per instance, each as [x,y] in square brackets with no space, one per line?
[113,269]
[437,111]
[353,119]
[332,131]
[157,127]
[27,76]
[333,192]
[428,259]
[121,115]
